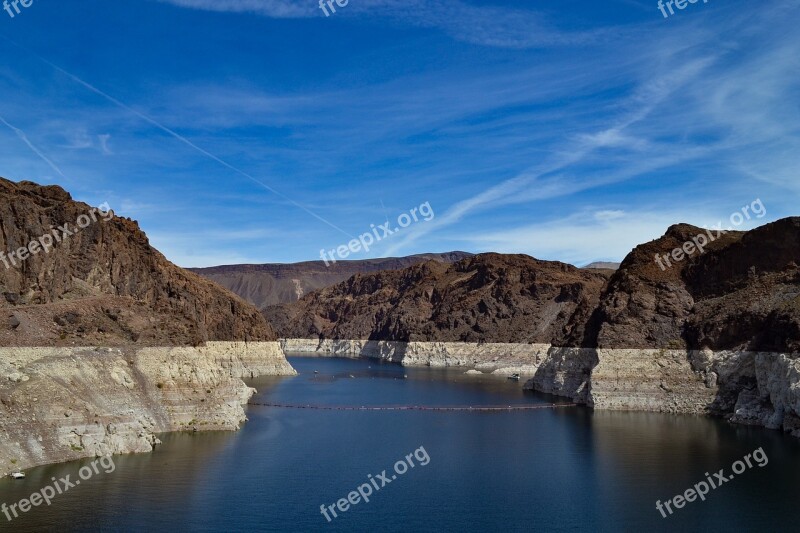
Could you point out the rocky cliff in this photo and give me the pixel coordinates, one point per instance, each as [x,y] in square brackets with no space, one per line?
[104,343]
[102,283]
[716,331]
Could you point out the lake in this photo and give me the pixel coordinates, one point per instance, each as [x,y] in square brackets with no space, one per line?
[565,469]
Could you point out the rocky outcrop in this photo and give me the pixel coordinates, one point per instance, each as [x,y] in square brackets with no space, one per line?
[102,284]
[167,348]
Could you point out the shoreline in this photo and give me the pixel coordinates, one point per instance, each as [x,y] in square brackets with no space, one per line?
[499,358]
[64,404]
[749,388]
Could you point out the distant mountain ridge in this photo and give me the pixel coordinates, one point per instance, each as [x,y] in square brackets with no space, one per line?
[603,265]
[485,298]
[269,284]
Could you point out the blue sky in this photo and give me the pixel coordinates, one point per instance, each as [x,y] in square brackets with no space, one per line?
[247,131]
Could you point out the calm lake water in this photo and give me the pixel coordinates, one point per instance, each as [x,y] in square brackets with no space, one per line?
[541,470]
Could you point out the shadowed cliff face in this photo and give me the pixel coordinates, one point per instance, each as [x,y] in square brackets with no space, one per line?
[747,296]
[742,293]
[487,298]
[104,284]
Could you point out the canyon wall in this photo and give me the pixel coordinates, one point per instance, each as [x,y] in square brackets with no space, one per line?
[104,343]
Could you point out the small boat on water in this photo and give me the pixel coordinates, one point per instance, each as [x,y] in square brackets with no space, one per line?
[515,377]
[17,475]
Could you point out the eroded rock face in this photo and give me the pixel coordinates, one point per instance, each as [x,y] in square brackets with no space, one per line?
[741,293]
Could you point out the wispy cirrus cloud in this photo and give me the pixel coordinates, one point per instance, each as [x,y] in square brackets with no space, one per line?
[495,26]
[267,8]
[732,120]
[550,180]
[634,131]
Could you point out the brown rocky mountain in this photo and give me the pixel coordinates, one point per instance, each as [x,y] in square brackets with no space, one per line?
[104,285]
[717,331]
[271,284]
[742,293]
[489,298]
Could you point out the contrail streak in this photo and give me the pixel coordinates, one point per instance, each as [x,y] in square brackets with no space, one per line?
[177,136]
[24,138]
